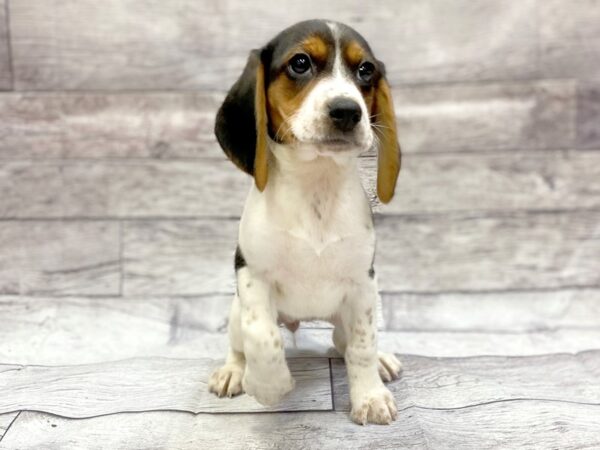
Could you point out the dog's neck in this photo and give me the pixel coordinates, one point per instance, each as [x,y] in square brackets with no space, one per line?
[313,174]
[315,196]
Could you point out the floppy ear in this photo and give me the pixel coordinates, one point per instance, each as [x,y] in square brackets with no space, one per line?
[241,125]
[389,158]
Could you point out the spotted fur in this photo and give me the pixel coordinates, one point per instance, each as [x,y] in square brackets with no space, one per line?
[306,238]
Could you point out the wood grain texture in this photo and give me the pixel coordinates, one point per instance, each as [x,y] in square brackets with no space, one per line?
[570,39]
[510,312]
[519,424]
[5,422]
[5,63]
[498,181]
[122,188]
[473,252]
[451,383]
[419,253]
[190,45]
[148,384]
[73,330]
[484,116]
[588,115]
[59,257]
[462,344]
[101,125]
[144,188]
[179,258]
[456,117]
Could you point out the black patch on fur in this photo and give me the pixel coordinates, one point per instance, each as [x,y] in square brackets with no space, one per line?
[371,271]
[239,261]
[235,126]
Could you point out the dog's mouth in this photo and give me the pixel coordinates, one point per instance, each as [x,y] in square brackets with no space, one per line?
[337,143]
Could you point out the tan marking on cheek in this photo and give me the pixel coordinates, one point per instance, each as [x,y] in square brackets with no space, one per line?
[284,98]
[285,95]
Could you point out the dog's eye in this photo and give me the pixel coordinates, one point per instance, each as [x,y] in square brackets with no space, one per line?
[366,71]
[299,64]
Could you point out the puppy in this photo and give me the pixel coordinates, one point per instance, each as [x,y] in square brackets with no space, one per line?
[306,105]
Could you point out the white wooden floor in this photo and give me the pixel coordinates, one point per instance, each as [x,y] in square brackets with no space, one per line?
[108,373]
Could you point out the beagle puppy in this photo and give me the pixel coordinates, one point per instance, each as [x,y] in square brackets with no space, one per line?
[306,105]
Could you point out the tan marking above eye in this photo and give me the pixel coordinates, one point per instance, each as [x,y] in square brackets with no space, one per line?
[353,54]
[316,48]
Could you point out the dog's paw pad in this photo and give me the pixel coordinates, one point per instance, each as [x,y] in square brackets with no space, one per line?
[376,406]
[389,366]
[227,380]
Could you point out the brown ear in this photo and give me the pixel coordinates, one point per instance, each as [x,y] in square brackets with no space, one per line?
[388,160]
[261,171]
[241,123]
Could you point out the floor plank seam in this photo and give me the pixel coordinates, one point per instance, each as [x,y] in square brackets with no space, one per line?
[536,355]
[566,287]
[504,400]
[139,358]
[10,425]
[225,413]
[485,331]
[330,358]
[462,214]
[382,292]
[168,410]
[200,295]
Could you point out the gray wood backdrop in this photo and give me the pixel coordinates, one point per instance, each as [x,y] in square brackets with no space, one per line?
[112,185]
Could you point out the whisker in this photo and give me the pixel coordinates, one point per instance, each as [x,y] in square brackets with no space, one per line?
[378,128]
[287,121]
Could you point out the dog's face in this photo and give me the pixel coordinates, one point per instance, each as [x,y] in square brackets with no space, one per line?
[320,87]
[316,85]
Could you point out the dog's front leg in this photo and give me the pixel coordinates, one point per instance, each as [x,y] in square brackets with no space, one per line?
[267,377]
[371,400]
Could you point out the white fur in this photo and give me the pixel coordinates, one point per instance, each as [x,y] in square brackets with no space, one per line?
[309,241]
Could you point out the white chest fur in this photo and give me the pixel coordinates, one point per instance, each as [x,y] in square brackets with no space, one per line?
[310,233]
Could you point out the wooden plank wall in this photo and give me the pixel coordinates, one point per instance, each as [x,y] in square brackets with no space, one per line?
[112,185]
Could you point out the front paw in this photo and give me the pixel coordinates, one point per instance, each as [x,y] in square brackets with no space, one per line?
[376,405]
[270,389]
[227,380]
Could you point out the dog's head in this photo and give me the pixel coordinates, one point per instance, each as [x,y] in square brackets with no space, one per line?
[315,85]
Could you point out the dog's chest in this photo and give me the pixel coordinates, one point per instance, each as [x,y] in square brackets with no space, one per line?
[311,244]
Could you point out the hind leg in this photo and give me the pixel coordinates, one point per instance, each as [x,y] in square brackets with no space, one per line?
[388,366]
[227,380]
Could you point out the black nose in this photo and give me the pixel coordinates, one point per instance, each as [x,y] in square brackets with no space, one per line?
[345,113]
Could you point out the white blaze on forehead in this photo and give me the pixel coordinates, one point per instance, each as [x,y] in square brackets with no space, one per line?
[337,61]
[312,121]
